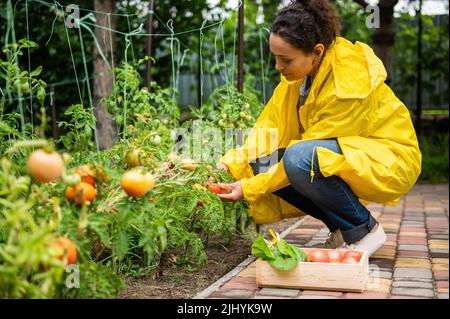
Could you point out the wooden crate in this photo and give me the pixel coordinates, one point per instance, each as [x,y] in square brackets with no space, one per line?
[316,276]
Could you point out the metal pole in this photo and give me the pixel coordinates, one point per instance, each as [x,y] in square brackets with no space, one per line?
[151,6]
[240,79]
[419,72]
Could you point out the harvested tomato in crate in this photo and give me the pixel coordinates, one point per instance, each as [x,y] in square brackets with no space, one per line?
[310,268]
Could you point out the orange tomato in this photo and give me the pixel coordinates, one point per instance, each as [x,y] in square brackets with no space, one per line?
[137,184]
[70,193]
[90,174]
[151,199]
[87,173]
[66,250]
[45,166]
[84,192]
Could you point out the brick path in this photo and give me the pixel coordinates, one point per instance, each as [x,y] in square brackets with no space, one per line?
[413,263]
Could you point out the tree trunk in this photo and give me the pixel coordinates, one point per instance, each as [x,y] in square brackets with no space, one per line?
[103,79]
[384,36]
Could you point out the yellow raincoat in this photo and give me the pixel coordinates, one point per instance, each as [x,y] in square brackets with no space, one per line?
[348,100]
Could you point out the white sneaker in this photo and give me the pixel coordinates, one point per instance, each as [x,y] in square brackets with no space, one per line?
[334,240]
[372,241]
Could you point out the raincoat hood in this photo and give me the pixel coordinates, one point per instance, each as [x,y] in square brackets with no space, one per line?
[350,63]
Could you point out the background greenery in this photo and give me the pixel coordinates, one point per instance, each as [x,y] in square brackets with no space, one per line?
[53,55]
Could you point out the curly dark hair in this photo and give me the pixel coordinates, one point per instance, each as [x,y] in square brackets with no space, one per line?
[305,23]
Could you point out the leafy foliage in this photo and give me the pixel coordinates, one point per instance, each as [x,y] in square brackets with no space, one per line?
[283,257]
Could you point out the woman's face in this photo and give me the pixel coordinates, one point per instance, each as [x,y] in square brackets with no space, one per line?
[292,62]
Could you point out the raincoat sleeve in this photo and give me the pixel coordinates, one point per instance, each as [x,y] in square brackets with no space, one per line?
[337,118]
[262,140]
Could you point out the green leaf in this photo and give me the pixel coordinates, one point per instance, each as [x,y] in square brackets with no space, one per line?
[121,244]
[284,263]
[41,95]
[260,249]
[36,72]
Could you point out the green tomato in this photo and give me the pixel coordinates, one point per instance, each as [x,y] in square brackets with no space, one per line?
[25,88]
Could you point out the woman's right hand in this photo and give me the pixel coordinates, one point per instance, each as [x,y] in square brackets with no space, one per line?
[223,166]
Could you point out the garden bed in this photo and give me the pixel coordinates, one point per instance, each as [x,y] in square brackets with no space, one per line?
[175,282]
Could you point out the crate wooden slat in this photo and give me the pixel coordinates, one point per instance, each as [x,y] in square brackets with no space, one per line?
[316,276]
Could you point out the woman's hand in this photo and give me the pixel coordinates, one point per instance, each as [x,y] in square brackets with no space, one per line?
[236,193]
[223,166]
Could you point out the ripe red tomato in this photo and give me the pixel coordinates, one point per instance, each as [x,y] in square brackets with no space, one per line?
[349,260]
[318,256]
[215,188]
[44,166]
[334,256]
[200,203]
[353,254]
[65,250]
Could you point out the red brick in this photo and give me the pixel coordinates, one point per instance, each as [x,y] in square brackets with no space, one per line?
[441,284]
[366,295]
[417,241]
[391,237]
[411,253]
[440,273]
[241,283]
[413,229]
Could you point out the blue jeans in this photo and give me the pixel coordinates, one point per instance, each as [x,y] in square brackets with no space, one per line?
[328,199]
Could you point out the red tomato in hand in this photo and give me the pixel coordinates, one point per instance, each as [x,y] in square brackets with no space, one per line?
[353,254]
[215,188]
[318,256]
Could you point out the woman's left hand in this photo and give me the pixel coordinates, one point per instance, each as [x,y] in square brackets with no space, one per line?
[236,193]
